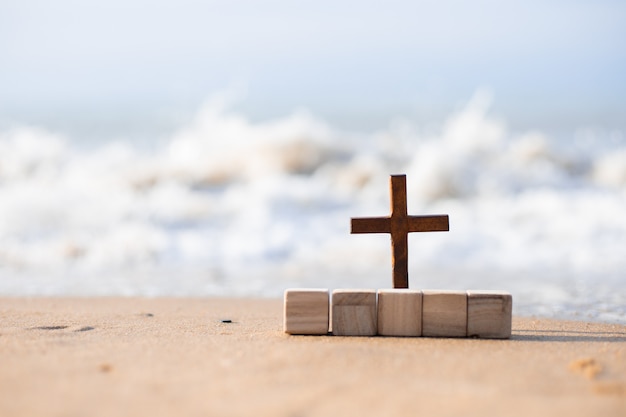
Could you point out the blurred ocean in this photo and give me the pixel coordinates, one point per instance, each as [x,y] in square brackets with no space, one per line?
[226,206]
[116,179]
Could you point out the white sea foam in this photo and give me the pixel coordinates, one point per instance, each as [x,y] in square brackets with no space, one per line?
[232,207]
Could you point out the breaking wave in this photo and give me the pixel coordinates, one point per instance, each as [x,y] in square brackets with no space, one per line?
[227,206]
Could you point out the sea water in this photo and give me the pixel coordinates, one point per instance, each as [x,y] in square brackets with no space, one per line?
[226,206]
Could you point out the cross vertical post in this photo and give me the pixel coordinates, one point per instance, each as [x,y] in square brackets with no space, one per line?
[399,225]
[399,232]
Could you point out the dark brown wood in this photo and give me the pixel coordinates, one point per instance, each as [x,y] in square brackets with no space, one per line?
[439,223]
[371,225]
[399,225]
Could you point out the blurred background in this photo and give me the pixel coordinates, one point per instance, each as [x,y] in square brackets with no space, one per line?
[219,148]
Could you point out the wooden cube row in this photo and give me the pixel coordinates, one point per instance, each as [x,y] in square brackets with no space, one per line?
[399,312]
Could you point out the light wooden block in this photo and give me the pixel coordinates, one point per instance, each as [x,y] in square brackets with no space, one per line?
[306,311]
[354,312]
[489,314]
[444,313]
[399,312]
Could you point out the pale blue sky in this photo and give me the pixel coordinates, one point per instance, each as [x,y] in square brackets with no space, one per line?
[138,63]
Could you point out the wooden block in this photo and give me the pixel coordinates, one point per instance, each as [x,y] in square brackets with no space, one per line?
[306,311]
[489,314]
[399,312]
[444,313]
[354,312]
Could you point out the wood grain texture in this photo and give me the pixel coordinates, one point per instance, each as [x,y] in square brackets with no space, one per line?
[370,225]
[354,313]
[399,232]
[399,312]
[306,311]
[489,314]
[399,225]
[436,223]
[444,313]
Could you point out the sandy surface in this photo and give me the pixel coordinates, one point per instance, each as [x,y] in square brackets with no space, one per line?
[121,356]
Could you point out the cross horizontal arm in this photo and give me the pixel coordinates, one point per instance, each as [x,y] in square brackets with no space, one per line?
[370,225]
[437,223]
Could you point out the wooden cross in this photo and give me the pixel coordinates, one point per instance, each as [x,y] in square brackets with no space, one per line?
[399,225]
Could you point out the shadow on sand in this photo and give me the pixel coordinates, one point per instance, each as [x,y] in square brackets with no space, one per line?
[535,335]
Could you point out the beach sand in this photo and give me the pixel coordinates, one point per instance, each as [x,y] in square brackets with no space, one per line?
[154,357]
